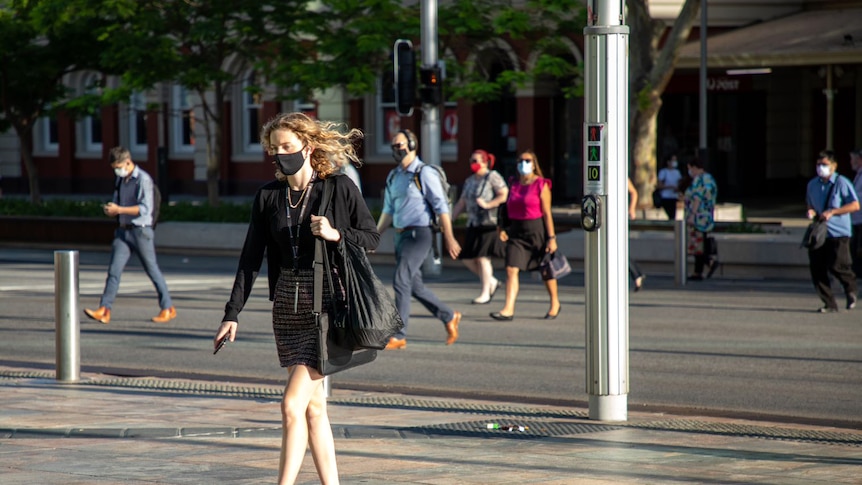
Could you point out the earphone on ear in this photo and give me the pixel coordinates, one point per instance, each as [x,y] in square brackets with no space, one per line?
[411,139]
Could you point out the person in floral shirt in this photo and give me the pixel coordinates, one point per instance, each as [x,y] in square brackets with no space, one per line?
[699,218]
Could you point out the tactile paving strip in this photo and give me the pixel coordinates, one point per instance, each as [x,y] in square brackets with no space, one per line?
[502,414]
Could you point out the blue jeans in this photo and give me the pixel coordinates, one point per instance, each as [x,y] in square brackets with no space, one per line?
[411,249]
[140,241]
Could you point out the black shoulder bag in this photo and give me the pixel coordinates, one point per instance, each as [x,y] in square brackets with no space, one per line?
[816,232]
[336,345]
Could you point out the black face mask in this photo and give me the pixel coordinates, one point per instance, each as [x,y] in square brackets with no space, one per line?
[290,163]
[398,154]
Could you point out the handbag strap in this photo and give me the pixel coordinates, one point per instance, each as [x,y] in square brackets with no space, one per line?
[829,196]
[321,258]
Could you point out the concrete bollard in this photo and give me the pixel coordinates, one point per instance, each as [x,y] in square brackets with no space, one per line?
[680,253]
[67,324]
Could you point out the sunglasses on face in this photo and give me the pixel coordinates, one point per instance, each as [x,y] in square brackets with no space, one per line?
[525,160]
[399,145]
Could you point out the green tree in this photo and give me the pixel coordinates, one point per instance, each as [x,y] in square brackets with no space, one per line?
[207,47]
[41,41]
[650,71]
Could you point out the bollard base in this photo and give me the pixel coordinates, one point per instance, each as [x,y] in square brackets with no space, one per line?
[609,408]
[327,387]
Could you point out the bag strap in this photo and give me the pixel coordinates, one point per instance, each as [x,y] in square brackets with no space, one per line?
[829,196]
[321,258]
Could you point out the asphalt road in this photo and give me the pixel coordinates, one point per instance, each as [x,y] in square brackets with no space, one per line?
[724,346]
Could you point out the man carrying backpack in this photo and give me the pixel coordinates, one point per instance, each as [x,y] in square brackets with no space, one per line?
[413,199]
[134,207]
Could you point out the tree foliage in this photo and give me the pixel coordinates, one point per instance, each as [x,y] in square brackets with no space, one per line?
[42,41]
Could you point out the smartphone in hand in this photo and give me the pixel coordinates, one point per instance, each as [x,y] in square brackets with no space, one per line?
[221,343]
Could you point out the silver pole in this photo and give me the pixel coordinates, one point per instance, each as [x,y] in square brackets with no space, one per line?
[605,173]
[68,328]
[680,253]
[703,151]
[327,386]
[430,114]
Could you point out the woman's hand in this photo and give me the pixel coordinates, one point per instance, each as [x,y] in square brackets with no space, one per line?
[321,228]
[227,328]
[482,203]
[551,246]
[503,236]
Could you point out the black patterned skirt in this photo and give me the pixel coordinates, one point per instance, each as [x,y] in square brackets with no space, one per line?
[293,322]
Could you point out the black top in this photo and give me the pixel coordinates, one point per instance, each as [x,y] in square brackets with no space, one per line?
[268,231]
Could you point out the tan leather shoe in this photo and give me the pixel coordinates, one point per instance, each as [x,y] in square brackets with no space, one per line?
[166,315]
[396,343]
[452,328]
[102,314]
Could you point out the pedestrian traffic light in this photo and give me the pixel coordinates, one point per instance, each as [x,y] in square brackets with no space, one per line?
[404,66]
[431,91]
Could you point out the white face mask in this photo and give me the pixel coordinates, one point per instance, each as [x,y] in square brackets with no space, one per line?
[690,173]
[673,164]
[824,171]
[121,172]
[525,168]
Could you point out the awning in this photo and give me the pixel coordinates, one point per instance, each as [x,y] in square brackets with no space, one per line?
[817,37]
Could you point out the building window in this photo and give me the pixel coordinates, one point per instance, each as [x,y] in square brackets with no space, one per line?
[46,136]
[138,122]
[182,121]
[251,109]
[92,124]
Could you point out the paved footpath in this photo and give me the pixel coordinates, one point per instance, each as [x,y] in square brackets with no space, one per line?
[113,430]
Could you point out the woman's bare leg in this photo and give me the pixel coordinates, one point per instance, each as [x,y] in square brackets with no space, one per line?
[294,435]
[551,285]
[320,437]
[512,287]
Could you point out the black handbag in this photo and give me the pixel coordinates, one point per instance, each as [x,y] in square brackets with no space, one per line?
[335,345]
[815,235]
[372,316]
[816,232]
[554,266]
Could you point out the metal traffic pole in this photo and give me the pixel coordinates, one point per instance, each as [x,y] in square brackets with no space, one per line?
[430,116]
[680,253]
[605,218]
[68,328]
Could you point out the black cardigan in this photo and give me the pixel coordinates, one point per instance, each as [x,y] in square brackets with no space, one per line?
[268,232]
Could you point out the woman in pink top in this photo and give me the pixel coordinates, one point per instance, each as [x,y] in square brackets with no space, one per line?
[529,234]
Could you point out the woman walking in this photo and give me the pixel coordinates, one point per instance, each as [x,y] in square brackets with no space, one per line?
[529,233]
[483,193]
[284,225]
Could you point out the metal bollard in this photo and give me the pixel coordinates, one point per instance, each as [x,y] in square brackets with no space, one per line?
[68,328]
[327,387]
[680,251]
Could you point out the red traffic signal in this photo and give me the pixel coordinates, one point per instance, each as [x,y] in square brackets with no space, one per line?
[431,91]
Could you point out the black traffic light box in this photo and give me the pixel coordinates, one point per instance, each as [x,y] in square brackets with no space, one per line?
[431,91]
[405,77]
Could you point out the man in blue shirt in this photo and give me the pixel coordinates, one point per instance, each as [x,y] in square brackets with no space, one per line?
[834,256]
[408,208]
[133,206]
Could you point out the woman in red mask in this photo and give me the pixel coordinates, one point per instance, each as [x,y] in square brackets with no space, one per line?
[483,192]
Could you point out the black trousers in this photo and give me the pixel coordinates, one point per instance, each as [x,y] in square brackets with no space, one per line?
[832,258]
[855,243]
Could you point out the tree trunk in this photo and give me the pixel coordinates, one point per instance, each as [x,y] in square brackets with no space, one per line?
[25,138]
[650,72]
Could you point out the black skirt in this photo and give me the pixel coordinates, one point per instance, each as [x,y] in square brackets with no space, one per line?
[526,245]
[293,322]
[482,241]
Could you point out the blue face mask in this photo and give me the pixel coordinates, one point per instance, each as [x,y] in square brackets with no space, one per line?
[525,168]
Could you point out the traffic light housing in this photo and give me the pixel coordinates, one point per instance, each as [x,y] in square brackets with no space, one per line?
[431,91]
[404,65]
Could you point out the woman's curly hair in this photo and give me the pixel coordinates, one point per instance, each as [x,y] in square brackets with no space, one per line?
[333,146]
